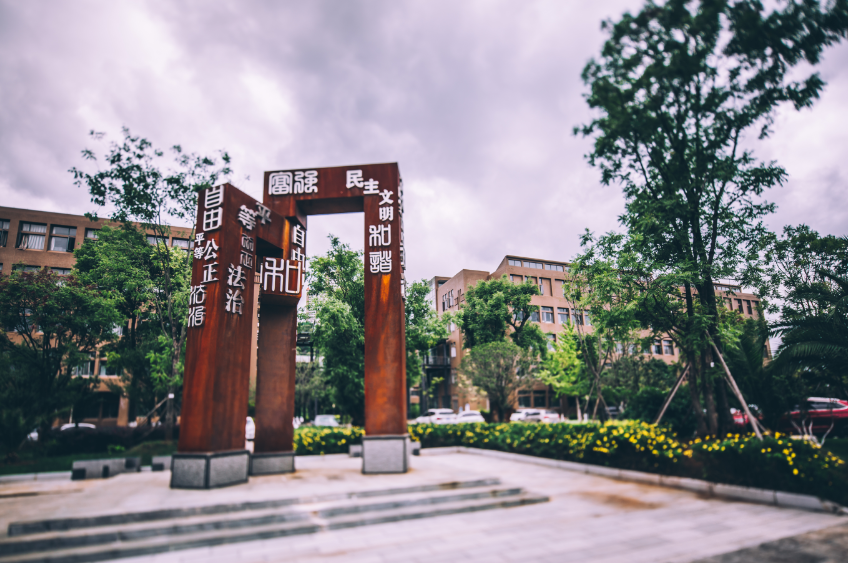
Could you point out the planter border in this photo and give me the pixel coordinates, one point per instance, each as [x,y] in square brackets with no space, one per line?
[708,488]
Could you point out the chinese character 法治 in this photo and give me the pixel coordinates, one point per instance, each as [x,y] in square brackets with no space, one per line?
[235,301]
[235,276]
[379,235]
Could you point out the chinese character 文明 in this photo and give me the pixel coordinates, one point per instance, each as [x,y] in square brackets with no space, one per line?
[306,182]
[298,236]
[247,242]
[197,295]
[207,252]
[379,235]
[354,179]
[280,183]
[214,197]
[247,217]
[297,255]
[371,187]
[380,262]
[196,316]
[209,272]
[235,301]
[386,195]
[246,259]
[387,213]
[235,276]
[212,219]
[263,213]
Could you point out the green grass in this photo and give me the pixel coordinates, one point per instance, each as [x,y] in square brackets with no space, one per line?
[31,462]
[837,446]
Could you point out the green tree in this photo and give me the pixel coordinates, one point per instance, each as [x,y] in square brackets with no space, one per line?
[424,328]
[139,184]
[492,307]
[562,368]
[499,369]
[54,324]
[677,87]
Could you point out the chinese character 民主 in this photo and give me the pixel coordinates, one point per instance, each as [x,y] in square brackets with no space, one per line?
[387,213]
[354,179]
[380,262]
[235,276]
[234,301]
[379,235]
[298,236]
[247,217]
[280,183]
[214,197]
[306,182]
[212,219]
[371,187]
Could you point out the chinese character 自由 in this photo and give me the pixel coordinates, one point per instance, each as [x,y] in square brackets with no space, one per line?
[235,301]
[379,235]
[280,183]
[380,262]
[214,197]
[235,276]
[297,255]
[354,179]
[212,219]
[387,213]
[298,236]
[247,217]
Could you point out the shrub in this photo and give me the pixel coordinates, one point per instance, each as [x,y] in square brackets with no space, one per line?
[646,404]
[312,440]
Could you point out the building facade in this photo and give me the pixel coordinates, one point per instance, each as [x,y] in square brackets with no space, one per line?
[447,294]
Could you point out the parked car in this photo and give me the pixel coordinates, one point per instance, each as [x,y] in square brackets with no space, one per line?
[519,414]
[249,429]
[437,416]
[72,425]
[325,420]
[823,412]
[537,415]
[613,412]
[469,416]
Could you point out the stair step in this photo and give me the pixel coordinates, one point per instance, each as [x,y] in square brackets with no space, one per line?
[64,524]
[312,524]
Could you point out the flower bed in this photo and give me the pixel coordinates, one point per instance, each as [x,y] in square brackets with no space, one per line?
[317,440]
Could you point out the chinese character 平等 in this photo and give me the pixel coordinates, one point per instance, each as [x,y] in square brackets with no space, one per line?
[306,182]
[298,236]
[371,187]
[354,179]
[197,295]
[209,272]
[246,259]
[247,242]
[379,235]
[235,301]
[214,197]
[235,276]
[297,255]
[387,213]
[247,217]
[207,252]
[212,219]
[263,213]
[196,316]
[380,262]
[280,183]
[386,195]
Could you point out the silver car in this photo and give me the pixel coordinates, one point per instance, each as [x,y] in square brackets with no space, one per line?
[469,416]
[437,416]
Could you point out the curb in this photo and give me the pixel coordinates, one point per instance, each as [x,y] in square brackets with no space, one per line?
[47,475]
[708,488]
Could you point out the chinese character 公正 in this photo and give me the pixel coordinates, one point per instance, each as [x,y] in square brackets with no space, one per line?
[380,262]
[379,235]
[235,276]
[387,213]
[280,183]
[306,182]
[298,236]
[207,252]
[354,179]
[212,219]
[214,197]
[234,301]
[247,217]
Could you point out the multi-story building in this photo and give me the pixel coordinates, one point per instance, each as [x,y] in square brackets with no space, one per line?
[447,295]
[31,240]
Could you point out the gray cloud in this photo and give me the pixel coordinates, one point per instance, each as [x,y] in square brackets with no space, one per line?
[475,100]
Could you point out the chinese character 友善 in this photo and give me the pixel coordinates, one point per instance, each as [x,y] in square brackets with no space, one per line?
[379,235]
[380,262]
[280,183]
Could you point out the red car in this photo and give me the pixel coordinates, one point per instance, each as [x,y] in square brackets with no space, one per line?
[823,413]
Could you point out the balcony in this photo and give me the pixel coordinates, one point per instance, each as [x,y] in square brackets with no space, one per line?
[440,361]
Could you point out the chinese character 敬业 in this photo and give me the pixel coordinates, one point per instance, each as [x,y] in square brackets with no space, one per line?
[247,217]
[280,183]
[209,272]
[247,242]
[235,277]
[298,236]
[196,316]
[246,259]
[206,252]
[214,197]
[234,301]
[306,182]
[197,295]
[263,213]
[212,219]
[379,235]
[380,262]
[354,179]
[371,187]
[387,213]
[386,195]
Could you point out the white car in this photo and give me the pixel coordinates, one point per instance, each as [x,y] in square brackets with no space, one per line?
[73,425]
[325,420]
[249,429]
[437,416]
[469,416]
[520,414]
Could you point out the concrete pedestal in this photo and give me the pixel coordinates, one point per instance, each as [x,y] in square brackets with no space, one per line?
[271,463]
[386,454]
[209,470]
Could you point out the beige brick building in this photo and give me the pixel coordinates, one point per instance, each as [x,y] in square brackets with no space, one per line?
[448,294]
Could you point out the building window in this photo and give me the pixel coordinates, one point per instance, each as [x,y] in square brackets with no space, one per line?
[154,240]
[588,318]
[530,279]
[739,303]
[535,265]
[577,317]
[516,279]
[180,243]
[85,369]
[559,287]
[22,268]
[547,315]
[61,271]
[748,305]
[554,267]
[91,234]
[754,305]
[453,351]
[562,312]
[539,399]
[63,239]
[524,398]
[512,262]
[534,316]
[668,347]
[105,369]
[1,266]
[551,340]
[657,347]
[4,232]
[518,316]
[31,236]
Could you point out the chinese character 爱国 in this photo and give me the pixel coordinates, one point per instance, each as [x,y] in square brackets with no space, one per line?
[380,262]
[298,236]
[371,187]
[387,213]
[280,183]
[214,197]
[354,179]
[306,182]
[380,235]
[234,301]
[212,219]
[235,276]
[247,217]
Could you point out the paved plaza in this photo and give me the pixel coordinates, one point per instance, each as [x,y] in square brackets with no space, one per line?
[588,518]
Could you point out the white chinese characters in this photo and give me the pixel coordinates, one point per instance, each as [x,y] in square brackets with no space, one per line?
[285,273]
[285,183]
[380,262]
[213,214]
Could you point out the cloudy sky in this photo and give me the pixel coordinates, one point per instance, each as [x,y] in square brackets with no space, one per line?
[475,100]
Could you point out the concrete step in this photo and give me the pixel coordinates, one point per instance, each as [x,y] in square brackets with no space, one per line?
[203,531]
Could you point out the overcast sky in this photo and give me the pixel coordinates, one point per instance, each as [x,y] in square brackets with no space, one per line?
[475,101]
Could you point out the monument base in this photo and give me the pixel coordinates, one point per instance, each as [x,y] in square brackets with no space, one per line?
[209,470]
[271,463]
[386,454]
